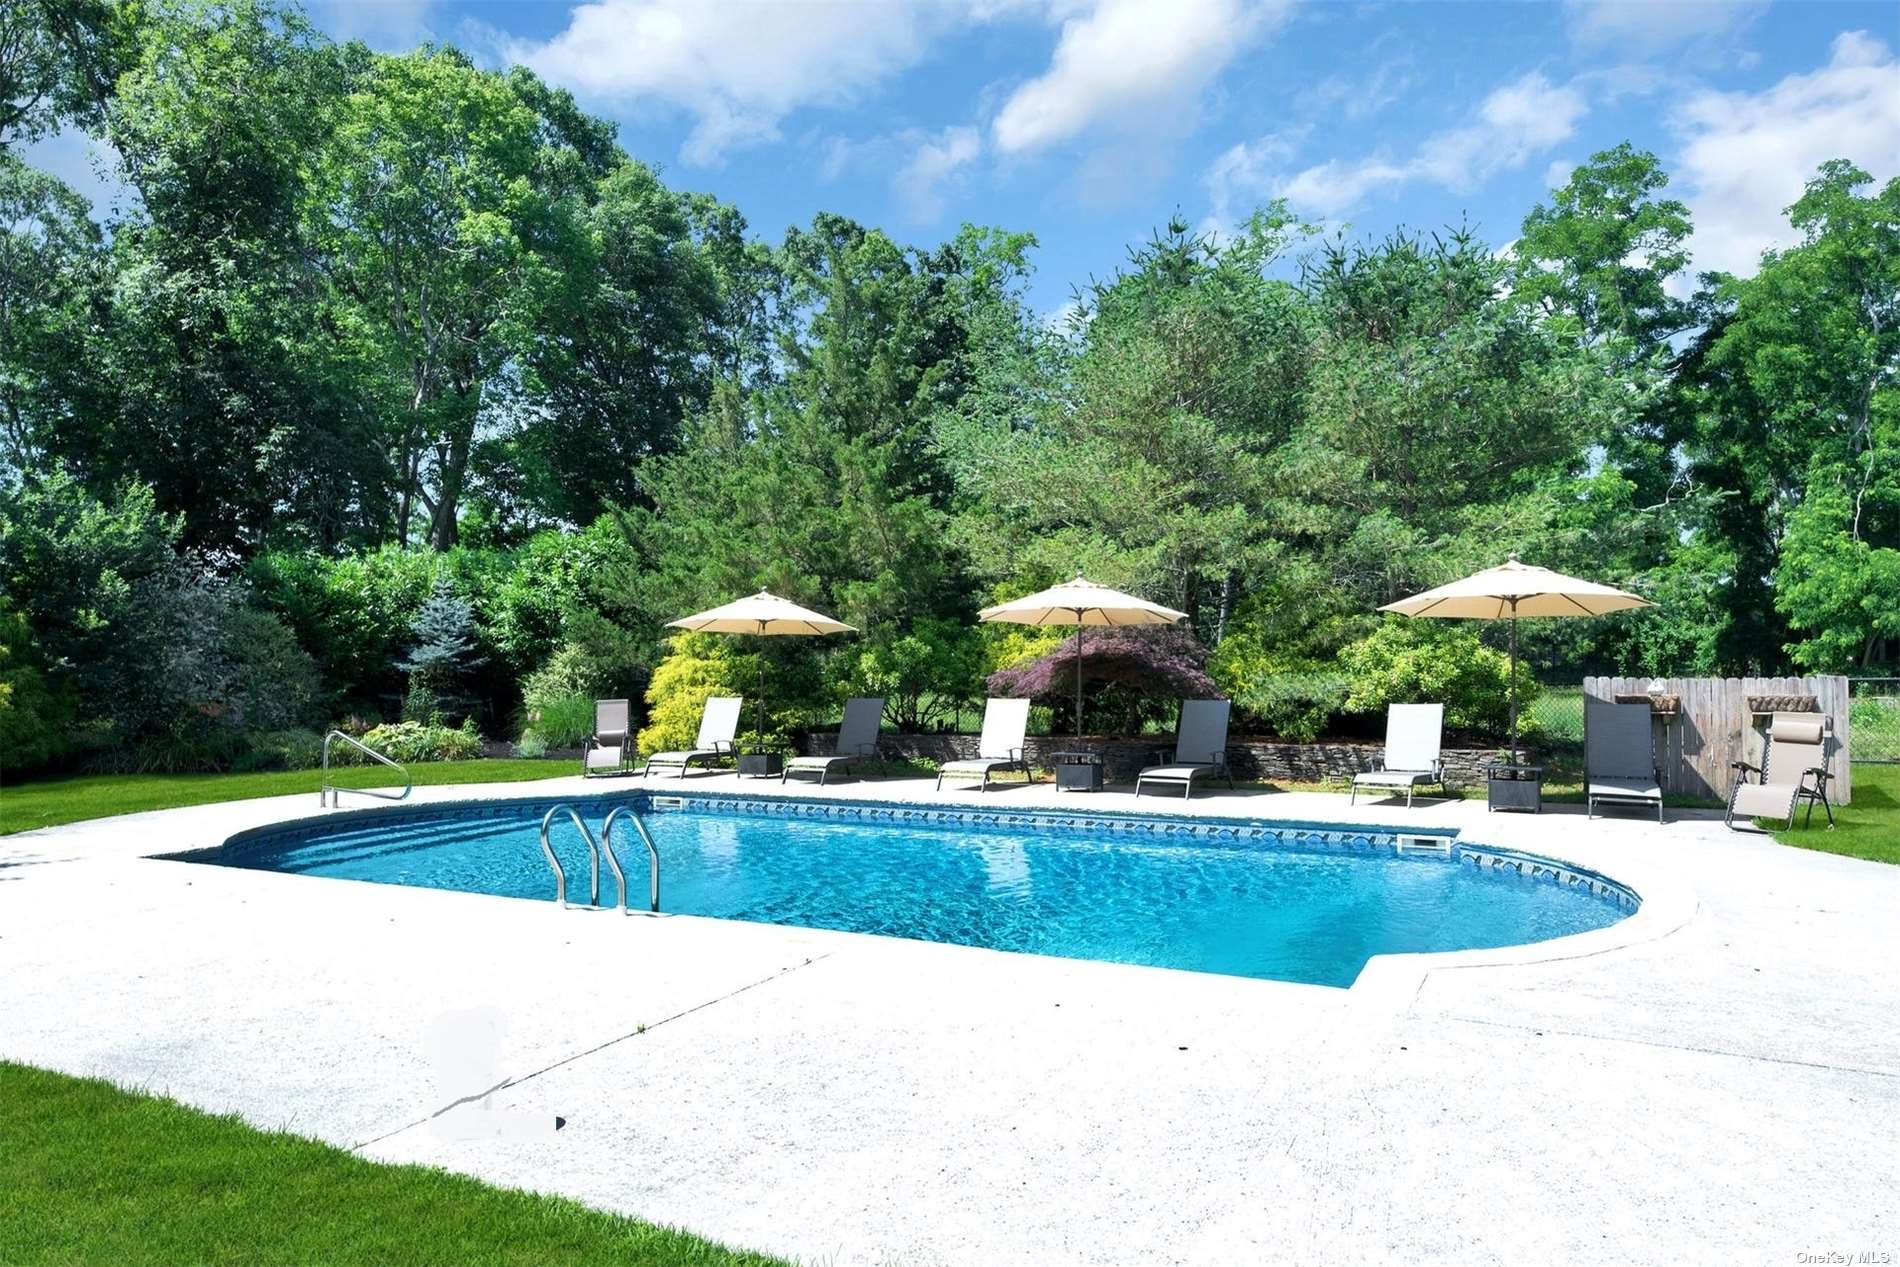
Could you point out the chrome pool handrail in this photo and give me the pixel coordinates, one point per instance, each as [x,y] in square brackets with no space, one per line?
[554,861]
[653,855]
[328,793]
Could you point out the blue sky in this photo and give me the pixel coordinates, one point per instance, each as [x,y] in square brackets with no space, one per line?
[1091,122]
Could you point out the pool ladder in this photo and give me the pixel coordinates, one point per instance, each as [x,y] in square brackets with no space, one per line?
[596,849]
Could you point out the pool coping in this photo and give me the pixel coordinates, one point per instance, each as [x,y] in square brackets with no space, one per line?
[1387,983]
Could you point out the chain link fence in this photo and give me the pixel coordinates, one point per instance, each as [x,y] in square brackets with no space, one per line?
[1874,715]
[1553,721]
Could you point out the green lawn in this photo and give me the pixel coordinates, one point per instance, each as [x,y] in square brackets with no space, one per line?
[90,1173]
[1869,828]
[69,799]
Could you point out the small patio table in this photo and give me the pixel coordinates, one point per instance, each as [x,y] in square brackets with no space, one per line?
[1510,785]
[1078,771]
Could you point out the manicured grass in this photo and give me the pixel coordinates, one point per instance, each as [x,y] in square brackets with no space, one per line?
[1869,828]
[73,798]
[90,1173]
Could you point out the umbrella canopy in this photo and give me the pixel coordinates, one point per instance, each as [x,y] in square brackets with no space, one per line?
[762,615]
[1514,591]
[1080,602]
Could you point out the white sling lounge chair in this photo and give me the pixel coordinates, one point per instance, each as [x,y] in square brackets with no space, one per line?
[1005,723]
[857,741]
[1414,739]
[717,725]
[1619,757]
[606,749]
[1792,770]
[1200,748]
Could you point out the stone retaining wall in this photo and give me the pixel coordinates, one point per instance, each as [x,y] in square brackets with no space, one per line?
[1264,760]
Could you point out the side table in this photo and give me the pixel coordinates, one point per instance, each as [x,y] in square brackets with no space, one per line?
[760,765]
[1078,771]
[1509,786]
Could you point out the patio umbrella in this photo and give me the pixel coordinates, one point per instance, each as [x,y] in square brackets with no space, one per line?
[762,615]
[1080,602]
[1513,591]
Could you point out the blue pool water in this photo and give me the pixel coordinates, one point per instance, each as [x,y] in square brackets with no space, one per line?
[1248,898]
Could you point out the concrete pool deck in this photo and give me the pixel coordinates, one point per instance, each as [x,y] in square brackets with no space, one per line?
[1723,1086]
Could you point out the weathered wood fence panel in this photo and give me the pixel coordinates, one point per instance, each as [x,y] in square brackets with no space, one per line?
[1716,727]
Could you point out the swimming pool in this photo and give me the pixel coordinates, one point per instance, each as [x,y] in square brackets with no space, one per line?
[1288,901]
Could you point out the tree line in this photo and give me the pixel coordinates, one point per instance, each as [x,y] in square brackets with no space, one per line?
[363,323]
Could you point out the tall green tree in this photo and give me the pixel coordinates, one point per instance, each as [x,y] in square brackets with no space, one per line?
[618,374]
[53,279]
[826,486]
[1134,443]
[232,399]
[1798,423]
[59,63]
[448,211]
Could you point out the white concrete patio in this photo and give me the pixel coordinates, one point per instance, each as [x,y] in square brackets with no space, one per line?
[1721,1081]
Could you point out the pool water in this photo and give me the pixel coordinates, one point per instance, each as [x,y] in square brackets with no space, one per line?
[1251,899]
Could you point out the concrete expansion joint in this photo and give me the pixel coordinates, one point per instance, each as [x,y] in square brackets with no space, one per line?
[1552,1031]
[615,1041]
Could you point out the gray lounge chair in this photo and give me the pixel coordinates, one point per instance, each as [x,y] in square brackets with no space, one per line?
[606,749]
[1793,769]
[857,741]
[1414,742]
[1005,723]
[1200,748]
[1619,757]
[717,726]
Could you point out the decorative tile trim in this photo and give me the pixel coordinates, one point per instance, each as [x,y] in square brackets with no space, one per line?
[1201,828]
[1534,868]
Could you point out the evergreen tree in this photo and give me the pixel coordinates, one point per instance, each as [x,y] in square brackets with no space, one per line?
[444,651]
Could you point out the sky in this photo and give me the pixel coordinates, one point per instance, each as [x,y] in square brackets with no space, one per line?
[1092,123]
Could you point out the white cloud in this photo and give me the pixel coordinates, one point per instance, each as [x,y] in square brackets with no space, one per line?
[738,69]
[1557,175]
[940,159]
[1516,122]
[1746,156]
[1245,175]
[1135,63]
[1638,29]
[1361,96]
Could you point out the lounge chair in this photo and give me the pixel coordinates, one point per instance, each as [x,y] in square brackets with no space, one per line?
[1619,757]
[1200,748]
[1005,723]
[857,741]
[1414,740]
[1793,769]
[606,749]
[717,726]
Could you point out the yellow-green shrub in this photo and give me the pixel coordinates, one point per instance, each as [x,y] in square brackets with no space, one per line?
[696,668]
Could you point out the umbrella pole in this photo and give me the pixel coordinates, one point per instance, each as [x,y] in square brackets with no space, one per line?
[1514,681]
[1078,675]
[758,734]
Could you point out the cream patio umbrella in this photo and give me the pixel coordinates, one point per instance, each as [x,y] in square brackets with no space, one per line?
[1514,591]
[762,615]
[1081,603]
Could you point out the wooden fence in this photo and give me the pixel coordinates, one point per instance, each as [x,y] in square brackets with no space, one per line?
[1716,726]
